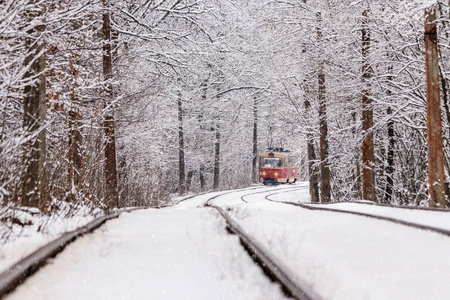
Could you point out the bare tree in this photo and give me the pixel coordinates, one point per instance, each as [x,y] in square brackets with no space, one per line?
[33,179]
[75,139]
[312,169]
[325,176]
[216,175]
[255,141]
[367,116]
[111,193]
[181,164]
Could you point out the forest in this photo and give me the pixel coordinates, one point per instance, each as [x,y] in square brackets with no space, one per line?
[119,103]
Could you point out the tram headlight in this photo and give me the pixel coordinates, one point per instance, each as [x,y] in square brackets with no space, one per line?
[276,174]
[264,173]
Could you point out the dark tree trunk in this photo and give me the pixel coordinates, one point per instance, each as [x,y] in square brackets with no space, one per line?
[390,159]
[33,179]
[189,176]
[255,142]
[111,193]
[75,141]
[202,177]
[325,176]
[445,95]
[123,180]
[216,158]
[313,174]
[367,117]
[436,179]
[181,165]
[357,174]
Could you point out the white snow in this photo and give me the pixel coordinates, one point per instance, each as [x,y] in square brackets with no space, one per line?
[24,240]
[184,252]
[172,253]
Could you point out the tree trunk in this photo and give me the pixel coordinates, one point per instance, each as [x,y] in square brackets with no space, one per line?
[390,159]
[325,186]
[216,158]
[33,179]
[181,165]
[313,180]
[436,180]
[189,176]
[255,142]
[357,171]
[202,177]
[111,193]
[123,179]
[75,141]
[367,117]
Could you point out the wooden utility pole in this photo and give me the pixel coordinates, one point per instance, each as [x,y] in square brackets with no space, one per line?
[111,193]
[325,186]
[33,178]
[436,179]
[367,116]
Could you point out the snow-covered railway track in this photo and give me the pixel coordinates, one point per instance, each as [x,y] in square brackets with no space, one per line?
[318,246]
[20,271]
[270,264]
[381,212]
[284,190]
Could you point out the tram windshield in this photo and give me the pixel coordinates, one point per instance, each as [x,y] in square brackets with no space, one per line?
[272,162]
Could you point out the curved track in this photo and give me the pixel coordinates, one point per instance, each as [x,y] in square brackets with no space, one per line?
[19,272]
[271,266]
[319,207]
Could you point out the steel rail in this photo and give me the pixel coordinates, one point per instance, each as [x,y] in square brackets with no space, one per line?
[16,274]
[445,232]
[225,192]
[20,271]
[389,205]
[287,189]
[271,266]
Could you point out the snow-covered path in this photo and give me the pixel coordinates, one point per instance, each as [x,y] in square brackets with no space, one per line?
[172,253]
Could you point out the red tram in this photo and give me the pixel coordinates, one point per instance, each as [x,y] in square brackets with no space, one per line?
[276,166]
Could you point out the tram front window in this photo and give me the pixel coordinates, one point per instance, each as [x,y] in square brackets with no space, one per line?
[272,162]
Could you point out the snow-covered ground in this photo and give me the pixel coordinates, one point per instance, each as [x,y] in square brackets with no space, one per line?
[340,256]
[184,252]
[36,230]
[173,253]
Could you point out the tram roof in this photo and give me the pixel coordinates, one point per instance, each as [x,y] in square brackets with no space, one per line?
[275,154]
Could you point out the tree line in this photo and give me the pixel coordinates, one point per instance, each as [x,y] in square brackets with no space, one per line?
[112,103]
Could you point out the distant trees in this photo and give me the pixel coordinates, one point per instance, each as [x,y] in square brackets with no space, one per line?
[389,146]
[116,102]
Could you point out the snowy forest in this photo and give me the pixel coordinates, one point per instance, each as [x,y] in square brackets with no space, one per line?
[119,103]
